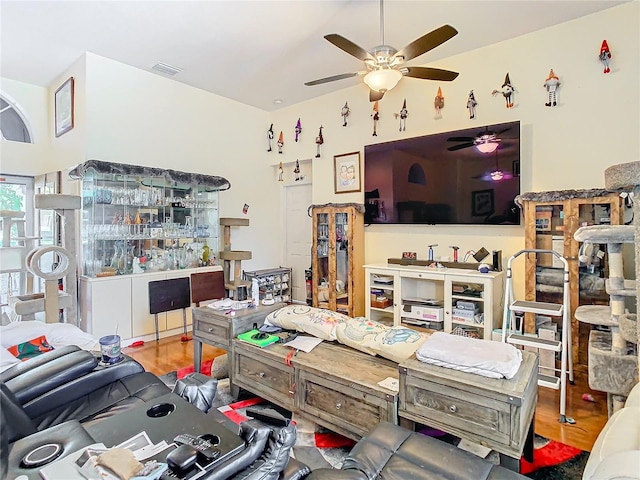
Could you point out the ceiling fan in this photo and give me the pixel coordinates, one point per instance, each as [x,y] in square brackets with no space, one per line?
[486,141]
[384,65]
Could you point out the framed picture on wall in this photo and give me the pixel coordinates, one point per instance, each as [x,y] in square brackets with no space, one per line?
[346,172]
[482,203]
[64,108]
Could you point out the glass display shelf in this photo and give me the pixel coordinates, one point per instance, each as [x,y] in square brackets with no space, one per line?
[141,219]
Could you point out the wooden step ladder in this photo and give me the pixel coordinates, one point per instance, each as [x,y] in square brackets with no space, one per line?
[516,335]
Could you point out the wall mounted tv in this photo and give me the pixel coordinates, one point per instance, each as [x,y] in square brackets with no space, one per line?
[444,178]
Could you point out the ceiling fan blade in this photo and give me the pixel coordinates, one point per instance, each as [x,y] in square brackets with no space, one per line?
[461,139]
[427,42]
[349,47]
[428,73]
[332,78]
[502,131]
[375,96]
[460,147]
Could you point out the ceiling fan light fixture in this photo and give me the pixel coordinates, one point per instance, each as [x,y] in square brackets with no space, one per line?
[497,175]
[382,80]
[487,147]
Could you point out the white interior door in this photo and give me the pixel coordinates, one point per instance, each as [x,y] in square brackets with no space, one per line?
[297,235]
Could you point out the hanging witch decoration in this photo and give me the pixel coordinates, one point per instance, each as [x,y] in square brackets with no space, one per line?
[296,171]
[319,141]
[298,129]
[376,116]
[403,114]
[270,137]
[280,142]
[507,91]
[438,103]
[345,113]
[605,56]
[280,173]
[471,105]
[552,84]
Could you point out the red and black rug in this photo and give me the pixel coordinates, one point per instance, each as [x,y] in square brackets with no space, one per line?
[554,461]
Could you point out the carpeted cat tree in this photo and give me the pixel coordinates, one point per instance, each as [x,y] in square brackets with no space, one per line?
[613,354]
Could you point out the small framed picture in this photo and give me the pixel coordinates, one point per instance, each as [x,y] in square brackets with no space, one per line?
[346,172]
[482,203]
[64,108]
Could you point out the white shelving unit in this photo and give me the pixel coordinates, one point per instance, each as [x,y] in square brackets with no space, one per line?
[426,290]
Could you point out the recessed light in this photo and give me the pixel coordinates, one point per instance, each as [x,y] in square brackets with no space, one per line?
[277,101]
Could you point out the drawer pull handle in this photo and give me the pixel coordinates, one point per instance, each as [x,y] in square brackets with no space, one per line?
[453,409]
[261,374]
[338,406]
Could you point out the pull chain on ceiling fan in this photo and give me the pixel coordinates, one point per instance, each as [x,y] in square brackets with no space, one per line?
[385,65]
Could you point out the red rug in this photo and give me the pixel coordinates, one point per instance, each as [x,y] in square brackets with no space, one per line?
[549,455]
[204,369]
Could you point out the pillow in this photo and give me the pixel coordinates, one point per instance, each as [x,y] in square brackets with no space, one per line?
[395,343]
[58,334]
[30,349]
[6,359]
[318,322]
[355,331]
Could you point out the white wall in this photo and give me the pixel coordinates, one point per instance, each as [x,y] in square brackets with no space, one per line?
[595,125]
[140,118]
[27,158]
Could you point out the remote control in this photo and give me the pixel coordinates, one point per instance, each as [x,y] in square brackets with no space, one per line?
[203,447]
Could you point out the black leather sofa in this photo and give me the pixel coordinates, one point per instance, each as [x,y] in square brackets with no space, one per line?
[51,398]
[391,452]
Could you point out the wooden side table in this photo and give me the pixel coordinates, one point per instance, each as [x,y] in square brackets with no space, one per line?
[218,328]
[498,414]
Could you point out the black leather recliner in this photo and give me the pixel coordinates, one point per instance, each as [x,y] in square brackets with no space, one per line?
[69,384]
[392,452]
[48,400]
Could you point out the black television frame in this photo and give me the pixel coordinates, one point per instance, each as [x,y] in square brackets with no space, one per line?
[442,178]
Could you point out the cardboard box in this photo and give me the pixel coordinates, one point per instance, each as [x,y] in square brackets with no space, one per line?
[423,312]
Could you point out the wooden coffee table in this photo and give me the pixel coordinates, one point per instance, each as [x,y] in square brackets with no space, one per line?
[498,414]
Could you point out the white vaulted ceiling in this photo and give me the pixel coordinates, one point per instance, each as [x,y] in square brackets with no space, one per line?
[254,51]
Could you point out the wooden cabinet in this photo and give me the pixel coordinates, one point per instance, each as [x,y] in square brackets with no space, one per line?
[496,413]
[335,386]
[551,219]
[337,258]
[459,301]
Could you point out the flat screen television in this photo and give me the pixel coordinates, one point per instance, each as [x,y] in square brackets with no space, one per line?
[445,178]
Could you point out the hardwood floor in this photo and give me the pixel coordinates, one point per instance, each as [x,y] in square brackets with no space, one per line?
[171,354]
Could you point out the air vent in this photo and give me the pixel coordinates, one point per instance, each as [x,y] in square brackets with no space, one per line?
[166,69]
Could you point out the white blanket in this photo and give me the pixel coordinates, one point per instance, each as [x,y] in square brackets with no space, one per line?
[487,358]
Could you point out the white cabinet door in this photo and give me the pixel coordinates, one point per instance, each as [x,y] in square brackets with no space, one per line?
[106,305]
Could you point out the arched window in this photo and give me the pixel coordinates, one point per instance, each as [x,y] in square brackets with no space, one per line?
[13,124]
[416,175]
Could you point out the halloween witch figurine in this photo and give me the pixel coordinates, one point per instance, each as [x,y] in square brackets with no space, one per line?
[471,105]
[280,142]
[376,116]
[605,56]
[404,113]
[552,84]
[270,137]
[298,129]
[506,91]
[296,171]
[345,113]
[438,103]
[319,141]
[280,173]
